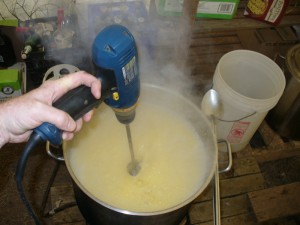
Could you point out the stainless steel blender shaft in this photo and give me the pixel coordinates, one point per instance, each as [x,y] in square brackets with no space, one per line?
[133,167]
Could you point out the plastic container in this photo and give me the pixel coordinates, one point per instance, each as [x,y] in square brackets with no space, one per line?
[249,85]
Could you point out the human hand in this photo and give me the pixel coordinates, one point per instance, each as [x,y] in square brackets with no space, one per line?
[20,115]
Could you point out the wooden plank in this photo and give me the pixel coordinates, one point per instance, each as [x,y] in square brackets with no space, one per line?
[206,223]
[267,156]
[218,33]
[61,195]
[296,144]
[240,185]
[240,167]
[202,72]
[242,219]
[247,165]
[240,23]
[276,147]
[74,223]
[232,39]
[212,60]
[248,172]
[207,50]
[284,221]
[271,138]
[203,212]
[276,202]
[235,205]
[235,186]
[249,39]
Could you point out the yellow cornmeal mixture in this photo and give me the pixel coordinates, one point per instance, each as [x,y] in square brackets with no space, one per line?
[168,149]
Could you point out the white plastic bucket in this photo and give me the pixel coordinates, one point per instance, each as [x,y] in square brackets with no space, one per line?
[249,85]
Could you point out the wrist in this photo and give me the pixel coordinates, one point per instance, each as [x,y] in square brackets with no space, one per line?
[3,141]
[4,136]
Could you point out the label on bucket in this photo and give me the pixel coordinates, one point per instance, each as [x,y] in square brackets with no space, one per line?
[237,132]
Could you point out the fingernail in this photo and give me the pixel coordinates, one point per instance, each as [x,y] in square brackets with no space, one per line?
[64,136]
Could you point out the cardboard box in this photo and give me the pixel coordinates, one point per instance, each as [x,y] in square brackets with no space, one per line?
[270,11]
[12,81]
[220,9]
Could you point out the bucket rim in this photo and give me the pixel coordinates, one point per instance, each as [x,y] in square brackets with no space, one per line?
[259,105]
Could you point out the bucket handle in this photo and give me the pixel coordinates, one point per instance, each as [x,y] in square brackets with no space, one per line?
[230,121]
[53,155]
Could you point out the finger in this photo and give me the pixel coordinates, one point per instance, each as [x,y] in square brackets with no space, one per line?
[96,88]
[79,124]
[69,82]
[70,135]
[88,116]
[67,136]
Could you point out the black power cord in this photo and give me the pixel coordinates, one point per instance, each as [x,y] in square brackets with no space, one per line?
[46,194]
[60,208]
[33,141]
[47,191]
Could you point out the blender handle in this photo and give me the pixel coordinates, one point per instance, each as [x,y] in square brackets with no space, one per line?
[76,103]
[228,147]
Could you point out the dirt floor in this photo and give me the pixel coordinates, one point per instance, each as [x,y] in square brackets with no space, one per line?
[37,175]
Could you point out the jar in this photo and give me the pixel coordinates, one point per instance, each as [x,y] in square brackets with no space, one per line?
[284,118]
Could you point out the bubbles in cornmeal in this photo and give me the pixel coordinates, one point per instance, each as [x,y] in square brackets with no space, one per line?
[166,145]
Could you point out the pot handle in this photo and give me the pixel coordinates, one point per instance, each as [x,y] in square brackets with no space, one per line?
[216,185]
[228,147]
[58,155]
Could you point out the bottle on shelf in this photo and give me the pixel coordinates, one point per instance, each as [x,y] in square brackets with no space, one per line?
[32,43]
[66,33]
[70,21]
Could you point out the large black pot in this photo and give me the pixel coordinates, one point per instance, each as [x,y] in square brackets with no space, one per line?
[98,212]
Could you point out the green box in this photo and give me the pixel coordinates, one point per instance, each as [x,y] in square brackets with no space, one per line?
[10,84]
[219,9]
[9,23]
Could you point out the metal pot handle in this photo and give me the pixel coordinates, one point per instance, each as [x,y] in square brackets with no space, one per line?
[53,155]
[228,147]
[216,185]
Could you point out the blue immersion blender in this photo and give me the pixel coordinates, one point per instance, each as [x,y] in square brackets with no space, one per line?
[115,59]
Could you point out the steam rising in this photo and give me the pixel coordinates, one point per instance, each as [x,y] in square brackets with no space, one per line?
[162,50]
[157,37]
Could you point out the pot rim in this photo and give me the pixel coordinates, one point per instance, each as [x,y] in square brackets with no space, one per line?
[175,207]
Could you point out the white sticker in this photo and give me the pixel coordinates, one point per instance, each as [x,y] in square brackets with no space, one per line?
[7,90]
[129,71]
[216,7]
